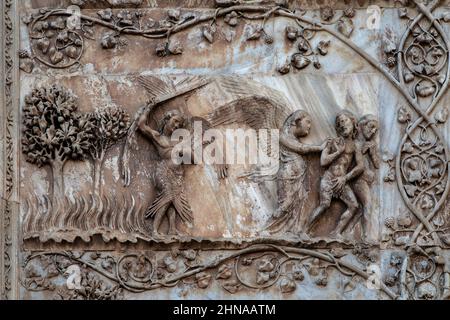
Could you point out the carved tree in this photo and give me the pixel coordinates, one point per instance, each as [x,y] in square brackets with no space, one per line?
[53,133]
[110,124]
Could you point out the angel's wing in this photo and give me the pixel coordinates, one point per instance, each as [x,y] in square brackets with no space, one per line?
[159,90]
[255,111]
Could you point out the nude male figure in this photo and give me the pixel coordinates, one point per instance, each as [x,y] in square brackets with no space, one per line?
[338,156]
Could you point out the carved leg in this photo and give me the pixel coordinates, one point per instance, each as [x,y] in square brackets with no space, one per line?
[362,191]
[317,214]
[325,202]
[172,221]
[349,198]
[158,219]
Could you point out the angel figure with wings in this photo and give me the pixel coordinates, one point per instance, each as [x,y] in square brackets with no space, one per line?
[251,107]
[168,175]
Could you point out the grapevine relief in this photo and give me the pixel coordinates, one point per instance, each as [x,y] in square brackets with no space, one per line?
[54,132]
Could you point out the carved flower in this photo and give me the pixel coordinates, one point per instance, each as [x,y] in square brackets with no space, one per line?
[425,90]
[175,47]
[170,264]
[224,272]
[391,61]
[439,148]
[427,202]
[284,68]
[203,280]
[59,23]
[316,63]
[426,291]
[442,115]
[425,38]
[189,254]
[349,12]
[268,39]
[403,12]
[390,177]
[322,279]
[303,45]
[208,32]
[327,13]
[403,115]
[174,14]
[297,273]
[391,276]
[404,221]
[322,47]
[408,76]
[265,265]
[231,286]
[108,264]
[287,285]
[105,14]
[231,19]
[255,32]
[291,33]
[161,49]
[438,221]
[408,147]
[299,61]
[266,271]
[43,45]
[345,26]
[247,261]
[125,18]
[389,222]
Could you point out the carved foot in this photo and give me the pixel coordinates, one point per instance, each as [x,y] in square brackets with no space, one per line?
[158,236]
[173,232]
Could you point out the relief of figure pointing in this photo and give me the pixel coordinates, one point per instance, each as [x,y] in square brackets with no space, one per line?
[338,157]
[292,172]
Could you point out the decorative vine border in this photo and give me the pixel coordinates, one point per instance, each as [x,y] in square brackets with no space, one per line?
[9,235]
[8,18]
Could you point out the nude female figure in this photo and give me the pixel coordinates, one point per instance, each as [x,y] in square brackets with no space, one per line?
[292,171]
[337,157]
[368,126]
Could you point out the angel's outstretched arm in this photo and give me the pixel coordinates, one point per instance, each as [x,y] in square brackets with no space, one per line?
[297,146]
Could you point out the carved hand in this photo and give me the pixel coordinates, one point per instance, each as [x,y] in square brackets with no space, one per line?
[339,184]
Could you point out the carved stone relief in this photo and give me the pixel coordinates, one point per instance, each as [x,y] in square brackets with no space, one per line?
[128,169]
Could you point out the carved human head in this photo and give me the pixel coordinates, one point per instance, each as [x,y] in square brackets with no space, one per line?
[172,121]
[346,124]
[368,125]
[299,123]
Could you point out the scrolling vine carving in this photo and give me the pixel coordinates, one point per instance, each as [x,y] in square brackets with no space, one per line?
[255,267]
[421,164]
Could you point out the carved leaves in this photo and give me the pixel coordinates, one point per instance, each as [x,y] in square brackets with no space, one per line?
[52,129]
[110,124]
[53,43]
[306,53]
